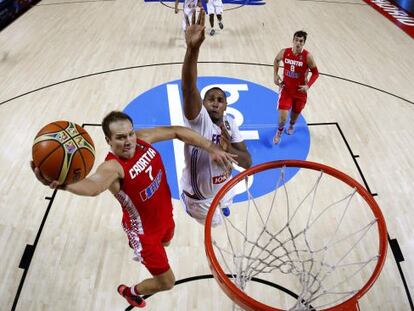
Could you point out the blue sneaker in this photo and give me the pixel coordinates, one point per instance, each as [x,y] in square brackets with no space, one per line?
[226,211]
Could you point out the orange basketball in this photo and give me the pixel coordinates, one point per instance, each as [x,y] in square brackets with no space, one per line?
[63,151]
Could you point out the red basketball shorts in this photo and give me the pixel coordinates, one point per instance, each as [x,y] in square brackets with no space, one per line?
[292,100]
[153,252]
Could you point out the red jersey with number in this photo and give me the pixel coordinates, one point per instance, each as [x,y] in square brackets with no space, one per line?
[295,69]
[145,196]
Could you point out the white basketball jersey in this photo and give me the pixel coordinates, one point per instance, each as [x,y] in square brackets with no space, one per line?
[202,177]
[216,2]
[215,7]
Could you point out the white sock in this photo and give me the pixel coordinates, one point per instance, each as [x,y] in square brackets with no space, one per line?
[133,291]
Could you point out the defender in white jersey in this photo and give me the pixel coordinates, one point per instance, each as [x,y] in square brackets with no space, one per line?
[215,7]
[201,178]
[189,9]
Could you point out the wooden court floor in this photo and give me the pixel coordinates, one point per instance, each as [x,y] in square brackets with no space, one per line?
[78,60]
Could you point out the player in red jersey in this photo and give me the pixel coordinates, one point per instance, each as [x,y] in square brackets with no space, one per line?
[134,172]
[297,62]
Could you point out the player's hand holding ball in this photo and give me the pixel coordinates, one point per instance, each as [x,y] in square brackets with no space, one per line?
[63,153]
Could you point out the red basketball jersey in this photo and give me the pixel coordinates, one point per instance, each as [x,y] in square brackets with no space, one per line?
[295,69]
[145,196]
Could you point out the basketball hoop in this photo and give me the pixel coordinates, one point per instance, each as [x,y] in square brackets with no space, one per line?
[326,240]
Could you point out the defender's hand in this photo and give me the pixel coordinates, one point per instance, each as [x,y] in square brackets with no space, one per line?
[194,34]
[221,157]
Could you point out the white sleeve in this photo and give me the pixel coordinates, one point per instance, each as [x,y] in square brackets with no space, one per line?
[236,136]
[201,124]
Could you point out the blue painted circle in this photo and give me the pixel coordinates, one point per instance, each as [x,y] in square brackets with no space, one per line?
[257,104]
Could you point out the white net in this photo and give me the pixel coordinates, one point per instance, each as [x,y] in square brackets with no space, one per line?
[314,237]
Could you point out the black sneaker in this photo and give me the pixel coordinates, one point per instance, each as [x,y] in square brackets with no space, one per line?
[221,25]
[212,32]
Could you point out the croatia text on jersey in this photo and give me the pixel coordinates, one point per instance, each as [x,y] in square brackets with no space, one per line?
[293,63]
[142,163]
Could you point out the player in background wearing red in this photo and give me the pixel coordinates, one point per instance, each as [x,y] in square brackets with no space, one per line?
[297,62]
[134,173]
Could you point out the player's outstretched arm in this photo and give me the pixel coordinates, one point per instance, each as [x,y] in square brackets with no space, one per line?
[188,136]
[313,68]
[276,78]
[106,174]
[194,37]
[243,155]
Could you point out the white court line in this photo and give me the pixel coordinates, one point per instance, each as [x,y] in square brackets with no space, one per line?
[176,118]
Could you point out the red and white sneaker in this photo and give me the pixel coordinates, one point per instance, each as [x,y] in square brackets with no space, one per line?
[136,301]
[277,137]
[290,130]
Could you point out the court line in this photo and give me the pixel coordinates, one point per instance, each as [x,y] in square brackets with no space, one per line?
[334,2]
[73,2]
[30,249]
[394,246]
[393,243]
[210,276]
[200,62]
[354,157]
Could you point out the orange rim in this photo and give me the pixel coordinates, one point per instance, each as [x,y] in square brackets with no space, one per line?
[248,303]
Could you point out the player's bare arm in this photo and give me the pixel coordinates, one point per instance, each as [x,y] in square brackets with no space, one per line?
[277,79]
[190,137]
[106,174]
[315,74]
[194,37]
[240,149]
[243,155]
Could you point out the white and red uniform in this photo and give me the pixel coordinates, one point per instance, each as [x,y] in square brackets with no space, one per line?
[294,74]
[202,178]
[189,9]
[145,198]
[215,7]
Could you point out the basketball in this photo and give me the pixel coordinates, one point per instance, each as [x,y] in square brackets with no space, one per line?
[63,151]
